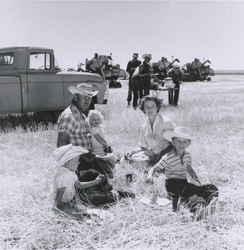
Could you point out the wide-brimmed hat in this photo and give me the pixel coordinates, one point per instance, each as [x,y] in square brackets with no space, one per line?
[147,55]
[67,152]
[180,132]
[135,55]
[83,89]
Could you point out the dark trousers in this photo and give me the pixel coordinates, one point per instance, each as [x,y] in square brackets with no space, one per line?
[174,95]
[89,161]
[137,90]
[177,188]
[130,89]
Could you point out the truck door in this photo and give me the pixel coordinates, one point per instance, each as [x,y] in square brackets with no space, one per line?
[45,86]
[10,87]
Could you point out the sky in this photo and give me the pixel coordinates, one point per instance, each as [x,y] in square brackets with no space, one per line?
[208,30]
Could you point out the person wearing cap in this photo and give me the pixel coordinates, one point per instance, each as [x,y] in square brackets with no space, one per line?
[131,67]
[177,164]
[73,128]
[177,75]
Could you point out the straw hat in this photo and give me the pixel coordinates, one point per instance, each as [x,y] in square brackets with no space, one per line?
[83,89]
[180,132]
[147,55]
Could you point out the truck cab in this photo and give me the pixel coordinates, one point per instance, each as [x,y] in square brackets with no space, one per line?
[31,81]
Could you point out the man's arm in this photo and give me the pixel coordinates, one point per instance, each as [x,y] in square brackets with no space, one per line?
[83,185]
[101,140]
[63,139]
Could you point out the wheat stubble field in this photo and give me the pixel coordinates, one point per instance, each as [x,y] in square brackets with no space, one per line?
[214,112]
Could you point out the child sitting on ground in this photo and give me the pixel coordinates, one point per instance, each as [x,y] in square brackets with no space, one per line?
[177,164]
[66,180]
[100,147]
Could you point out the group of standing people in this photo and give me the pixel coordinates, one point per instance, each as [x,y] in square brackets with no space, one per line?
[140,76]
[85,166]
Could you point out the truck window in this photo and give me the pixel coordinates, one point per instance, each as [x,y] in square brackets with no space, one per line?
[6,59]
[40,61]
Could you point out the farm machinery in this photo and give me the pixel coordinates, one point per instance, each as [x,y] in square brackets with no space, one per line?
[161,68]
[103,65]
[197,71]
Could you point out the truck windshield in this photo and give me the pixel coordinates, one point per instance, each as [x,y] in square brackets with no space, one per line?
[6,59]
[40,60]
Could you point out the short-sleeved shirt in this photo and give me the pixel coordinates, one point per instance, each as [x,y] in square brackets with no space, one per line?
[97,147]
[153,138]
[74,123]
[175,165]
[65,178]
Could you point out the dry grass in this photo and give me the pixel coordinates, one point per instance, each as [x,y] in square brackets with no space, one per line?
[213,110]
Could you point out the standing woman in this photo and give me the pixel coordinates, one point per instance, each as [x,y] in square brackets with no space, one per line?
[152,141]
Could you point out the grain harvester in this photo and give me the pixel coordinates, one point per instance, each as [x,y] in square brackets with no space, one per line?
[103,65]
[197,71]
[161,68]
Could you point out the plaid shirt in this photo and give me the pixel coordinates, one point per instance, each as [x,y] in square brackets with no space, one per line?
[74,123]
[145,68]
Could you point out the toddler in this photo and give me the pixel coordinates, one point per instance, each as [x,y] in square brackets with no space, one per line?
[66,180]
[100,147]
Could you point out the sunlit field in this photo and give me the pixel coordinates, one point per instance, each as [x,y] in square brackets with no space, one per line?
[214,112]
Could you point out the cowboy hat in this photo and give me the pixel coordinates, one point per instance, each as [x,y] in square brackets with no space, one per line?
[147,55]
[180,132]
[83,89]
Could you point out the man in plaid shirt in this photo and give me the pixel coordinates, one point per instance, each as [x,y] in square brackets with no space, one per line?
[73,128]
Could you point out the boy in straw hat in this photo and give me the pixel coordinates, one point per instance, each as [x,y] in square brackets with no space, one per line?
[66,180]
[177,164]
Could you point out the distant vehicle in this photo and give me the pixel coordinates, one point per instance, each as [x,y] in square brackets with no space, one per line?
[161,68]
[103,65]
[197,71]
[32,81]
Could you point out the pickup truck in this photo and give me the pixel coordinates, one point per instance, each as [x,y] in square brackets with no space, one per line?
[32,81]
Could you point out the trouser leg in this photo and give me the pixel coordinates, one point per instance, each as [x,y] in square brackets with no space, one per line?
[176,94]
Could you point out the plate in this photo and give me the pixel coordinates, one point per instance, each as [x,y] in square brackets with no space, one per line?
[159,201]
[141,156]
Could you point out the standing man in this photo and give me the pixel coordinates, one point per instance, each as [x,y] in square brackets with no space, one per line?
[145,73]
[131,67]
[176,74]
[73,128]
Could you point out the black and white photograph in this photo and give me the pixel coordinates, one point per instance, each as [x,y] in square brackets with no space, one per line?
[121,125]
